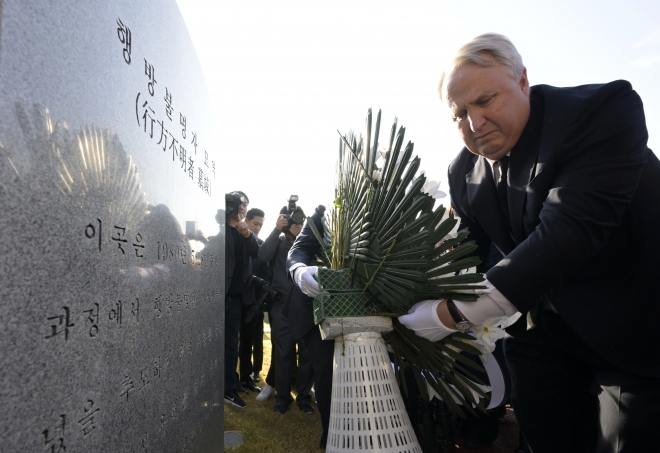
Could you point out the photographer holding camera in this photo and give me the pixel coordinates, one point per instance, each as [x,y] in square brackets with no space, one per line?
[240,247]
[275,250]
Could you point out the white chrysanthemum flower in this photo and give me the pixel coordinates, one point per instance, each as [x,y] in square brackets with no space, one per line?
[489,332]
[454,231]
[432,188]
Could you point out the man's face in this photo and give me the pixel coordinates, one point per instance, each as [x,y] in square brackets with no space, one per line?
[242,210]
[489,107]
[255,224]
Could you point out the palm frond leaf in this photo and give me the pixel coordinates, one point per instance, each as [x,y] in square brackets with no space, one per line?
[390,247]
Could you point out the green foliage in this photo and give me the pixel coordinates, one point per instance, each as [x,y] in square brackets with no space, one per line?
[386,248]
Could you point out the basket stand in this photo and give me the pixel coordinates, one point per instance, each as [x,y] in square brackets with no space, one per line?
[367,412]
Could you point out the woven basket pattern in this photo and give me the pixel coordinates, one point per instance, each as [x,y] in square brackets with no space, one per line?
[339,298]
[367,412]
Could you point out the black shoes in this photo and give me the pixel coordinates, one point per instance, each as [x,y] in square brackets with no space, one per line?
[255,377]
[305,407]
[281,408]
[250,385]
[241,389]
[231,397]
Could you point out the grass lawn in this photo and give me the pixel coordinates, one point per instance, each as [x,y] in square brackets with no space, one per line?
[265,431]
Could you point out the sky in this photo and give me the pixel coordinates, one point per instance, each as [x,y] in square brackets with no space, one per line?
[285,76]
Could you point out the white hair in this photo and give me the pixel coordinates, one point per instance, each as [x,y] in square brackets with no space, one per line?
[486,50]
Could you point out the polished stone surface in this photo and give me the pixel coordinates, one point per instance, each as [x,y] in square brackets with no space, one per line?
[111,295]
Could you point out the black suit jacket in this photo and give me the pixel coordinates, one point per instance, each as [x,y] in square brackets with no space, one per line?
[259,269]
[251,249]
[584,202]
[299,307]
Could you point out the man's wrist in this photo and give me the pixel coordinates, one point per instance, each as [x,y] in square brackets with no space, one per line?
[444,316]
[460,321]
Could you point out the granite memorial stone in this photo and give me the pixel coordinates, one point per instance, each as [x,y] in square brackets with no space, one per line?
[111,260]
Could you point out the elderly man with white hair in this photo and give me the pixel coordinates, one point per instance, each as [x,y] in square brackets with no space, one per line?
[562,182]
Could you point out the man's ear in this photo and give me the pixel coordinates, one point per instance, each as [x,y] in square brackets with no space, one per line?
[524,82]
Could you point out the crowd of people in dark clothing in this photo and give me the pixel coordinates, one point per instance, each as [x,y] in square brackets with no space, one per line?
[248,255]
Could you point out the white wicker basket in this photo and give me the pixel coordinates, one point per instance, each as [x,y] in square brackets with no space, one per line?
[367,412]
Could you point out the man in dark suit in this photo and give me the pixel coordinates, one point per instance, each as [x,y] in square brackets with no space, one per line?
[275,252]
[251,340]
[240,247]
[299,310]
[562,182]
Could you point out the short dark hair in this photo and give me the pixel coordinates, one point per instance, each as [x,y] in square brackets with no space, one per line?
[247,199]
[254,212]
[284,210]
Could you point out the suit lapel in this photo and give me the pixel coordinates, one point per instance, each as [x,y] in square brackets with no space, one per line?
[483,201]
[522,162]
[521,165]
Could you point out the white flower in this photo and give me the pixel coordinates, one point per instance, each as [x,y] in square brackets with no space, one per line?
[432,188]
[509,321]
[382,154]
[378,174]
[469,270]
[454,231]
[489,332]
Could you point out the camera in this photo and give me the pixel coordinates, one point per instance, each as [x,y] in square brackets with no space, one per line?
[232,202]
[265,302]
[295,215]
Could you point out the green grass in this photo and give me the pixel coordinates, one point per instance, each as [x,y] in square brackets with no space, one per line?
[265,431]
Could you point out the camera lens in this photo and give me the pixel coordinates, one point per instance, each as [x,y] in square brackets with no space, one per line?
[298,217]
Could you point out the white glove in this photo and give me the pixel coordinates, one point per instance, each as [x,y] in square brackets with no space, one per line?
[303,277]
[423,319]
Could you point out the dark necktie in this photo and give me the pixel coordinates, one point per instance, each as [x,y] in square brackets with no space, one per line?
[502,188]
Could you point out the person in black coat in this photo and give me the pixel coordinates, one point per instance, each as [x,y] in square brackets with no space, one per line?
[562,182]
[252,333]
[240,247]
[299,310]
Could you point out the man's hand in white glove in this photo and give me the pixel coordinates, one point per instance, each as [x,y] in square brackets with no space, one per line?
[423,319]
[303,277]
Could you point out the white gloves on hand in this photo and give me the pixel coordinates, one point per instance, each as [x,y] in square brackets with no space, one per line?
[303,277]
[423,319]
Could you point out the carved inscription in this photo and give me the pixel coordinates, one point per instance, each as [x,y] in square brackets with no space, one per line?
[171,136]
[124,35]
[95,230]
[118,312]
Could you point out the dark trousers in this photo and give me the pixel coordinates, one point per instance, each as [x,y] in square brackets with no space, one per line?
[232,327]
[248,335]
[567,399]
[258,345]
[322,354]
[270,377]
[284,348]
